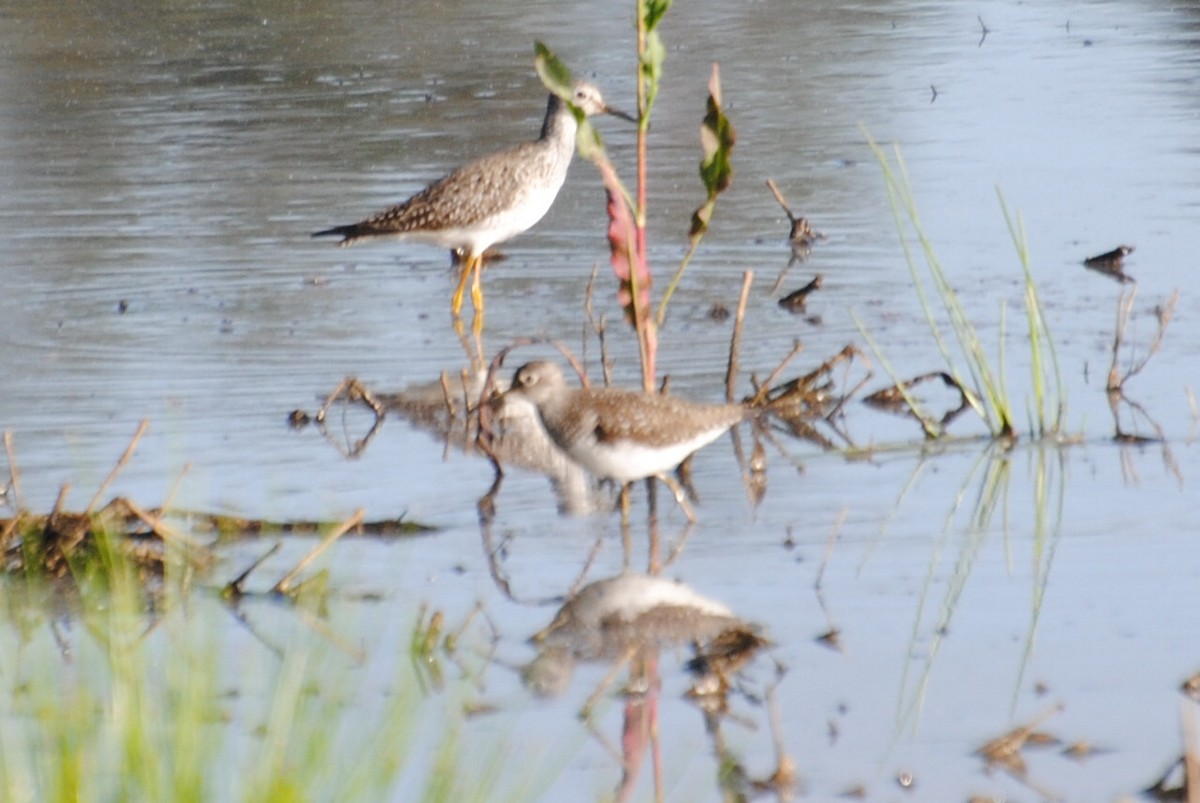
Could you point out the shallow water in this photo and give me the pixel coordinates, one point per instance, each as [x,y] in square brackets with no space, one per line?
[172,161]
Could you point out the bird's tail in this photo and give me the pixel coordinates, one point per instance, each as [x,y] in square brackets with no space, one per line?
[347,233]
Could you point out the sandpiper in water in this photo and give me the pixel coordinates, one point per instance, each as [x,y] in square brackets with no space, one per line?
[618,434]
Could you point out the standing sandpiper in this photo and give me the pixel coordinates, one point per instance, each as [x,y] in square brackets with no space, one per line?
[489,200]
[622,435]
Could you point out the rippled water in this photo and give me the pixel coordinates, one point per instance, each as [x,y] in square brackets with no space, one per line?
[164,166]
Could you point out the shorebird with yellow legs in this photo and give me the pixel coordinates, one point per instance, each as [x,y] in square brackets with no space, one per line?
[489,200]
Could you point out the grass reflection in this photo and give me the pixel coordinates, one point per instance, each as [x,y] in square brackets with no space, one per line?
[984,500]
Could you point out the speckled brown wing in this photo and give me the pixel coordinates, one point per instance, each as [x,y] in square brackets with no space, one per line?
[468,195]
[617,419]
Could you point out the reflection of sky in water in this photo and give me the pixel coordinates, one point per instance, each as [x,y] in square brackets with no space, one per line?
[180,164]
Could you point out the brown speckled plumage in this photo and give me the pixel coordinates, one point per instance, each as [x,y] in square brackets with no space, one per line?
[486,201]
[469,195]
[621,434]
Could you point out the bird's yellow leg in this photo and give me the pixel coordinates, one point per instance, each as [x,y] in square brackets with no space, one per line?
[477,288]
[457,299]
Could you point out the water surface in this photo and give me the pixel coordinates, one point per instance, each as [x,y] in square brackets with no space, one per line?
[164,166]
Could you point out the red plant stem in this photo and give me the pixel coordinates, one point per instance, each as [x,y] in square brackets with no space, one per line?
[639,214]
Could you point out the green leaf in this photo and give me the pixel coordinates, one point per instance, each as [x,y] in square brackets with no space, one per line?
[717,138]
[655,10]
[650,66]
[716,171]
[700,219]
[587,139]
[555,75]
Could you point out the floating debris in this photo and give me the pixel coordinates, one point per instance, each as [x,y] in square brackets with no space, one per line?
[802,235]
[1174,783]
[898,398]
[722,658]
[1004,752]
[1191,687]
[298,419]
[794,302]
[1110,263]
[1081,750]
[831,638]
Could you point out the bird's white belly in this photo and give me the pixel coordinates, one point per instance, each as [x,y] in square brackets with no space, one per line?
[625,461]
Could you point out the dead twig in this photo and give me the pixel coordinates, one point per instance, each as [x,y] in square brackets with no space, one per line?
[59,500]
[285,583]
[760,395]
[1005,750]
[739,320]
[233,589]
[351,390]
[112,475]
[829,544]
[14,476]
[354,391]
[783,780]
[160,528]
[447,399]
[1163,314]
[897,398]
[183,472]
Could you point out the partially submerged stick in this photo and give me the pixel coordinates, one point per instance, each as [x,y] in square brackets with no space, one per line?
[233,589]
[163,530]
[285,584]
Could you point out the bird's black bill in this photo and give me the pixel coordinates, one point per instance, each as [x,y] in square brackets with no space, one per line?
[619,113]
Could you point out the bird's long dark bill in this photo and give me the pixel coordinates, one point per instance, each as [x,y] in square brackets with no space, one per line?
[619,113]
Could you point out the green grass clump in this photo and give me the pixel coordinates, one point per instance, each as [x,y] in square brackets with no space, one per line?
[113,696]
[985,387]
